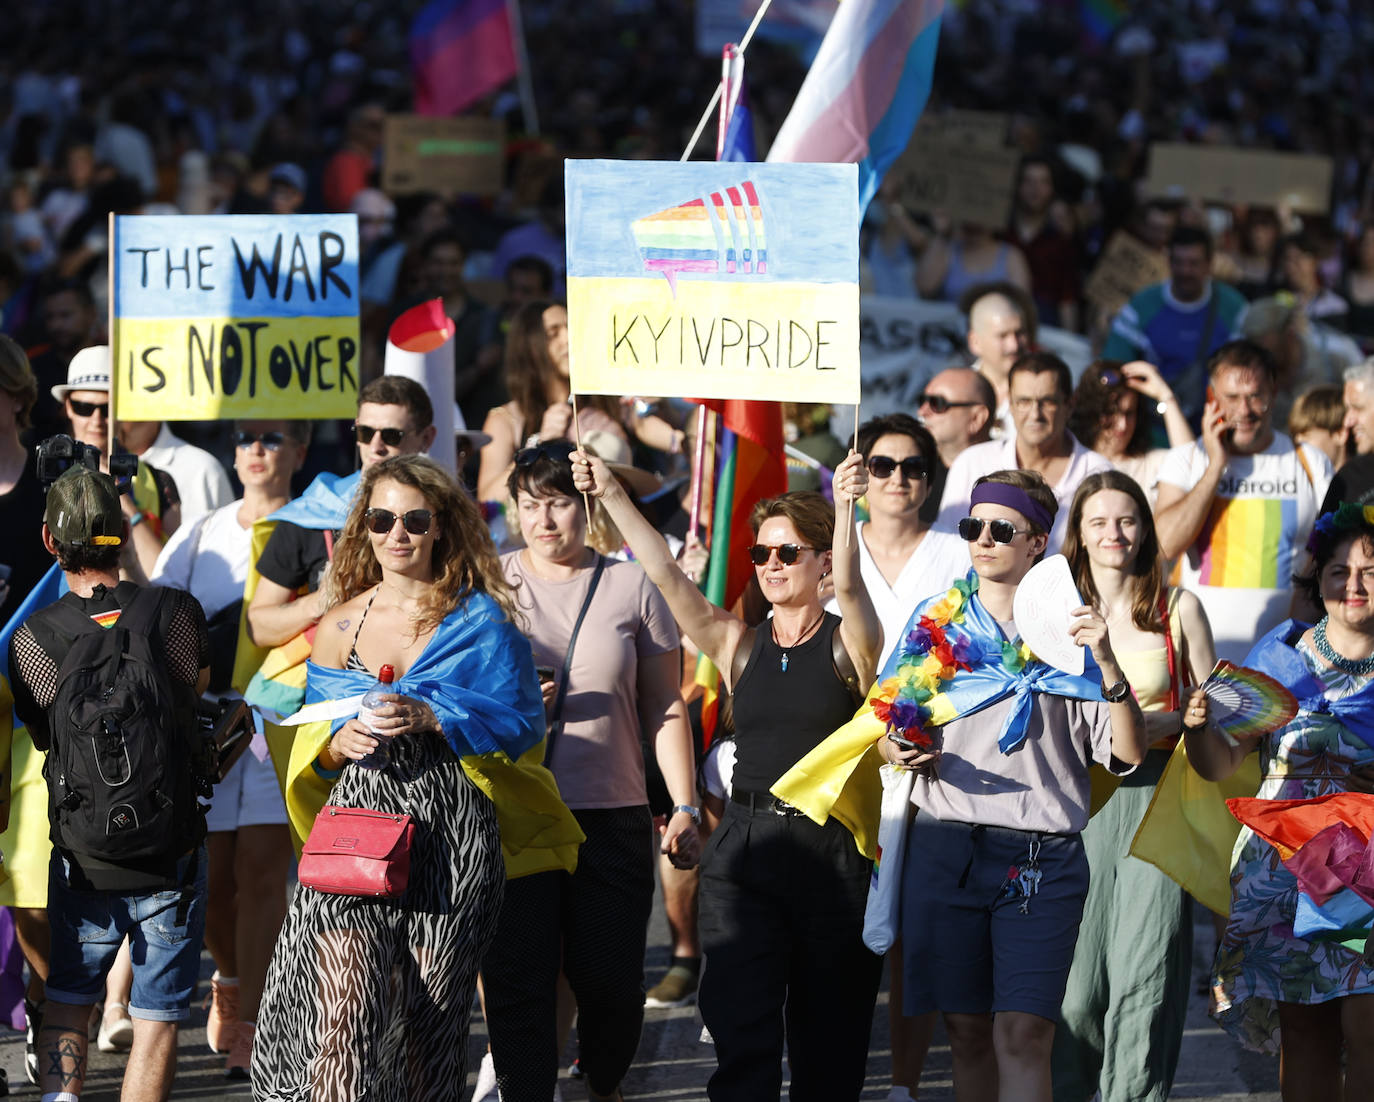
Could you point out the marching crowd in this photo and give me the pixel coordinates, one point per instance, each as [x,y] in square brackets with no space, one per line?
[529,754]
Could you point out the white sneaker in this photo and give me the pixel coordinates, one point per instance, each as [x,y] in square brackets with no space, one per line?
[485,1091]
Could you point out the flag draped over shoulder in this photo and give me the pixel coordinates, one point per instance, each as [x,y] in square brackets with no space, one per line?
[477,674]
[274,677]
[865,90]
[459,51]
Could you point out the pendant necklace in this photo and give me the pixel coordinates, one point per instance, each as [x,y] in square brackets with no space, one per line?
[1361,667]
[810,628]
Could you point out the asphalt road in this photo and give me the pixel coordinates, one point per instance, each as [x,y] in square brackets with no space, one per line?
[673,1063]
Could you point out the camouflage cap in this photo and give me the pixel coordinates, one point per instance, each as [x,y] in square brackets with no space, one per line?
[83,509]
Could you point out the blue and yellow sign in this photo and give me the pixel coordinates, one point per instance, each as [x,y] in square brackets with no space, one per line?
[232,316]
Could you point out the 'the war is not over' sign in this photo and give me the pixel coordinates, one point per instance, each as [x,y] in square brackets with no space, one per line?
[714,280]
[232,316]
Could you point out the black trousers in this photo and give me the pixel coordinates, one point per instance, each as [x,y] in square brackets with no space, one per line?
[782,908]
[593,924]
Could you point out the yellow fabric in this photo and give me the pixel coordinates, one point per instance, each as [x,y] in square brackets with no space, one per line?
[248,657]
[1188,833]
[25,843]
[6,751]
[840,777]
[538,832]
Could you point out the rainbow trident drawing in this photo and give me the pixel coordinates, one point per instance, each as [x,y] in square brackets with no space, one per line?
[719,234]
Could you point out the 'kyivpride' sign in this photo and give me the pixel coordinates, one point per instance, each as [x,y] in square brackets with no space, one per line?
[714,280]
[230,316]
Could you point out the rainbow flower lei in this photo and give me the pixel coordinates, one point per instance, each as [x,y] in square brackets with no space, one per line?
[912,701]
[1340,522]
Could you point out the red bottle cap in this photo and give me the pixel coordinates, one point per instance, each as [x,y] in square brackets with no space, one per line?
[386,675]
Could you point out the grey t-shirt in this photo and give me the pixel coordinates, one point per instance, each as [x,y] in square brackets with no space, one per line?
[1041,785]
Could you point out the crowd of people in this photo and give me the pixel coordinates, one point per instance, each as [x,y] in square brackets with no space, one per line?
[533,616]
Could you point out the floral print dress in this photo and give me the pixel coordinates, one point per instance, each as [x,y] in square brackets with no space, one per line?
[1260,962]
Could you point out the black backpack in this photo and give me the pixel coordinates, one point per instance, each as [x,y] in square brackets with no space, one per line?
[128,759]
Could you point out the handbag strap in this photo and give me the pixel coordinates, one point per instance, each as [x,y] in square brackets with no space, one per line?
[556,720]
[1170,651]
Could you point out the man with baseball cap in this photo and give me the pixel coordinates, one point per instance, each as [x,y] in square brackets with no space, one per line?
[119,880]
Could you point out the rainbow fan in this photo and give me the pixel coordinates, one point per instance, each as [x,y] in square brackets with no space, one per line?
[722,234]
[1244,703]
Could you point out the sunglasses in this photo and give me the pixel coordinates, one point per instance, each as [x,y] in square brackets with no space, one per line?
[556,451]
[272,441]
[89,409]
[788,553]
[1110,377]
[390,437]
[381,521]
[938,403]
[913,467]
[1002,531]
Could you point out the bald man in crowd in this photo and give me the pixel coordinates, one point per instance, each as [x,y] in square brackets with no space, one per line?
[957,406]
[997,335]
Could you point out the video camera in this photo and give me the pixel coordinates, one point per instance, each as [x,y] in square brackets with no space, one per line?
[57,453]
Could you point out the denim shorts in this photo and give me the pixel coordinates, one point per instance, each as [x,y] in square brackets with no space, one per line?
[971,946]
[89,926]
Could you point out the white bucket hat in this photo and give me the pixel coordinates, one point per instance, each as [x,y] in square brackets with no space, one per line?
[89,370]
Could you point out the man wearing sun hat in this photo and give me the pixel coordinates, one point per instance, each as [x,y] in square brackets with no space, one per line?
[127,883]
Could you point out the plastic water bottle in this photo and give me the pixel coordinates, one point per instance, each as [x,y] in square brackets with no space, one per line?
[372,700]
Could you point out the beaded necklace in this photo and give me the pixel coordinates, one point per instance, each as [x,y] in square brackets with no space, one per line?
[1361,667]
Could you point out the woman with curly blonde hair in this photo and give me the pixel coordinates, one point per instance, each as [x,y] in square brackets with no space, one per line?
[369,997]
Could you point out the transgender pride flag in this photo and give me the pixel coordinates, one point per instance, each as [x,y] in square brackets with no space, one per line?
[865,90]
[459,51]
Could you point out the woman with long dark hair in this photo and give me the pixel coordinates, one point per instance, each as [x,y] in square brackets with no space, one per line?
[1128,987]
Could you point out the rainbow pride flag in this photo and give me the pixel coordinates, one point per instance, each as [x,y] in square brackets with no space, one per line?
[865,90]
[720,233]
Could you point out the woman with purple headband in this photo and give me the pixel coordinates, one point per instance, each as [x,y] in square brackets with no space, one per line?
[995,873]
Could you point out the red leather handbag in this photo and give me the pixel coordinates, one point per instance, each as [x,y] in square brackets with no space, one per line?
[355,851]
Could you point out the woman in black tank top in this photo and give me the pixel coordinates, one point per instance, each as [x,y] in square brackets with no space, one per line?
[782,899]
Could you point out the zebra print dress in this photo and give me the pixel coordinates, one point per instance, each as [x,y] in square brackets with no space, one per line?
[368,999]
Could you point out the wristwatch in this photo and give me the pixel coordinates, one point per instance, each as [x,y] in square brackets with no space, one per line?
[1115,694]
[694,812]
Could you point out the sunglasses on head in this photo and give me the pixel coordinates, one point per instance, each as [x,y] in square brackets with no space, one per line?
[913,467]
[381,521]
[390,437]
[788,553]
[938,403]
[1110,377]
[1002,531]
[556,451]
[89,409]
[272,440]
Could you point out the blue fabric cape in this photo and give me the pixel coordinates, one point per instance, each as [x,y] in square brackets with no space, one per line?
[1275,654]
[325,503]
[476,673]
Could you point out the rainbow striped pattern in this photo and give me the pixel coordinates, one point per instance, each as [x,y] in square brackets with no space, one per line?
[106,619]
[724,233]
[1247,543]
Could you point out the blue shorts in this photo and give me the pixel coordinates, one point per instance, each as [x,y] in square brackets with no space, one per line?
[968,948]
[88,928]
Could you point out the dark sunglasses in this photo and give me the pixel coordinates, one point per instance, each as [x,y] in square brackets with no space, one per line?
[913,466]
[556,451]
[938,403]
[381,521]
[759,553]
[272,441]
[1002,531]
[390,437]
[89,409]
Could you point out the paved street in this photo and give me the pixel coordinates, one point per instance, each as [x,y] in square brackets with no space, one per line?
[673,1064]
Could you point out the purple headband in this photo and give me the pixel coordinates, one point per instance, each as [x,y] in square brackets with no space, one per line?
[999,493]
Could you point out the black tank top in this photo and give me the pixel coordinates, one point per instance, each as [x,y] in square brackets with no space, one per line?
[779,716]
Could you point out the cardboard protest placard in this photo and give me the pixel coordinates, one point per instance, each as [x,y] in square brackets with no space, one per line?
[714,280]
[967,182]
[229,316]
[1249,176]
[449,156]
[1126,266]
[958,126]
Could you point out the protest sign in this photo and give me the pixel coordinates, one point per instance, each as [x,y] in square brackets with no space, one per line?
[958,126]
[966,181]
[714,280]
[227,316]
[1249,176]
[448,156]
[1126,266]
